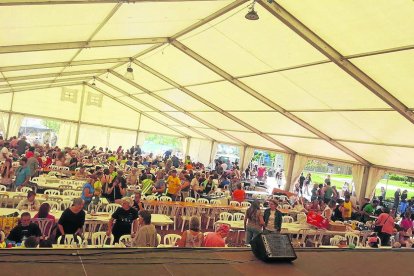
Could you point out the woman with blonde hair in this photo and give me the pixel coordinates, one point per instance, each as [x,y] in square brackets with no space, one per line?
[192,237]
[124,217]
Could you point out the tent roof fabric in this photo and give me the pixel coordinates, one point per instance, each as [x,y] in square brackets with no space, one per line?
[304,78]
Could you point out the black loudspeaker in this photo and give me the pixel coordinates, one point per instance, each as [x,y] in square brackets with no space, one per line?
[273,248]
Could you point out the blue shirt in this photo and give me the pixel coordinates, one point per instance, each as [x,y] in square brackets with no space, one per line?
[91,191]
[21,175]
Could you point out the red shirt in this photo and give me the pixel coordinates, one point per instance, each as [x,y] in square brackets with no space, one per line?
[214,240]
[261,171]
[239,195]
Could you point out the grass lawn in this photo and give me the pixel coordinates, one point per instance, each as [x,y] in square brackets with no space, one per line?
[320,178]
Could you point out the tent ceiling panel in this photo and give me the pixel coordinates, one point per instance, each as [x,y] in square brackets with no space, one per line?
[155,102]
[254,139]
[384,155]
[108,89]
[348,26]
[86,76]
[52,23]
[185,119]
[135,104]
[219,120]
[272,122]
[5,101]
[250,46]
[387,127]
[393,71]
[183,100]
[47,103]
[189,132]
[111,113]
[163,118]
[32,72]
[111,52]
[144,78]
[156,19]
[315,147]
[216,135]
[171,62]
[36,57]
[130,89]
[228,96]
[88,67]
[322,86]
[23,82]
[148,125]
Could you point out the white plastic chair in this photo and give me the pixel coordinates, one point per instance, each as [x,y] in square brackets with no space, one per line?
[171,239]
[245,204]
[190,199]
[287,219]
[90,227]
[238,216]
[164,198]
[111,207]
[69,193]
[225,216]
[151,197]
[159,238]
[45,226]
[188,212]
[286,206]
[215,202]
[16,199]
[4,199]
[54,205]
[352,238]
[100,238]
[26,189]
[2,188]
[126,240]
[52,192]
[69,239]
[77,193]
[65,204]
[203,201]
[234,203]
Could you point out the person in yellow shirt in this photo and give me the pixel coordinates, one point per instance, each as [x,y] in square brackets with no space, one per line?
[173,185]
[347,208]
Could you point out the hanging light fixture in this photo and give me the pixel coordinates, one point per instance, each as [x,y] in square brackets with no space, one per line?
[252,14]
[93,83]
[129,74]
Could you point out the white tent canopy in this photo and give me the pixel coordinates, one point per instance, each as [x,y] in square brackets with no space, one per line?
[330,81]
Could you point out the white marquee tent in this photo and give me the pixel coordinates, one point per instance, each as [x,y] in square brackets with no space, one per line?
[325,79]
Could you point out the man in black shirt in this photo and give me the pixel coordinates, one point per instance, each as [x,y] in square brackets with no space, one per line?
[124,218]
[72,219]
[24,230]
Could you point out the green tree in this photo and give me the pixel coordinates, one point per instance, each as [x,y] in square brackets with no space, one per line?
[53,125]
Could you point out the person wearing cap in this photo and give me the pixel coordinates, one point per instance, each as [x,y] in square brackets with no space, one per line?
[30,203]
[22,174]
[88,191]
[216,239]
[125,217]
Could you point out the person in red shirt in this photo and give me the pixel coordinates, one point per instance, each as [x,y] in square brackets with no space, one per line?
[239,194]
[216,239]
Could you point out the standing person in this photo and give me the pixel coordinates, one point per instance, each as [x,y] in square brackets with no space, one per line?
[328,192]
[147,234]
[404,204]
[192,237]
[125,217]
[253,221]
[185,186]
[328,211]
[239,195]
[116,190]
[21,146]
[301,182]
[348,208]
[383,192]
[327,179]
[88,191]
[397,195]
[307,182]
[173,185]
[106,180]
[72,219]
[261,171]
[386,222]
[273,217]
[22,174]
[314,192]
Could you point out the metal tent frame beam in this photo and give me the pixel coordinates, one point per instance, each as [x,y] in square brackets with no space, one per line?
[25,84]
[51,75]
[299,28]
[80,45]
[143,89]
[265,100]
[60,2]
[213,106]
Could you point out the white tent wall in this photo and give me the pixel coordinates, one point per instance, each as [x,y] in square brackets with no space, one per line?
[141,138]
[93,136]
[4,119]
[200,150]
[14,125]
[119,137]
[5,101]
[67,134]
[47,102]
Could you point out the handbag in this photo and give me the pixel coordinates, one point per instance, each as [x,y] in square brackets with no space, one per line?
[378,228]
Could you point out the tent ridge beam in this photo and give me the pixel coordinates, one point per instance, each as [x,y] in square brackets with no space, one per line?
[171,104]
[308,35]
[211,105]
[152,107]
[80,45]
[52,85]
[265,100]
[50,75]
[23,84]
[134,109]
[63,2]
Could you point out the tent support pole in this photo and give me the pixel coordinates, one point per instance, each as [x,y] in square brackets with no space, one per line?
[289,173]
[364,183]
[10,115]
[80,114]
[139,125]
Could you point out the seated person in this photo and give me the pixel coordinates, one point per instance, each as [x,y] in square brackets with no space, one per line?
[44,212]
[192,237]
[82,173]
[30,203]
[147,234]
[239,194]
[369,210]
[31,242]
[147,185]
[24,229]
[338,211]
[137,201]
[216,239]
